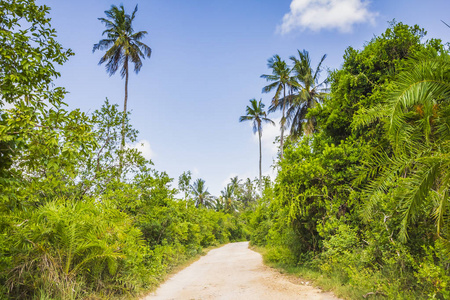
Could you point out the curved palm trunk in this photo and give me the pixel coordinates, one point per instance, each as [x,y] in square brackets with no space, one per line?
[282,122]
[260,158]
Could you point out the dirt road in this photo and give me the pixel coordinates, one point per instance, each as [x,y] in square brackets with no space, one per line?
[234,272]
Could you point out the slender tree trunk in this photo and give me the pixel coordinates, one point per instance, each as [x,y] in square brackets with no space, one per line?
[122,144]
[282,122]
[260,158]
[125,103]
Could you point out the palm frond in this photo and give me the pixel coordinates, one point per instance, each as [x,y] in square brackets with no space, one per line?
[417,114]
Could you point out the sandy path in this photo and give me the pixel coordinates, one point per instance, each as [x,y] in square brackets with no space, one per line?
[234,272]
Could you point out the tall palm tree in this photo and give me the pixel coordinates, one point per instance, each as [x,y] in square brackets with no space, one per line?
[201,195]
[122,46]
[309,92]
[280,79]
[256,114]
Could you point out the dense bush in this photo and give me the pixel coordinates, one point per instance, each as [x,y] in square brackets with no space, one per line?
[360,199]
[111,229]
[81,216]
[64,248]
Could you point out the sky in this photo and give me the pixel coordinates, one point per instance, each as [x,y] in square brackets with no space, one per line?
[206,63]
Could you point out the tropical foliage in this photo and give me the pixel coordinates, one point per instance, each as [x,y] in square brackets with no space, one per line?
[361,196]
[309,93]
[281,80]
[202,197]
[82,215]
[363,199]
[305,92]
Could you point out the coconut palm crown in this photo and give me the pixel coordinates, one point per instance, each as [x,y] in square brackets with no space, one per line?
[201,194]
[280,79]
[310,92]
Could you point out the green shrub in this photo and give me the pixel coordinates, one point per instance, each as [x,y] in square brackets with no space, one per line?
[65,249]
[279,255]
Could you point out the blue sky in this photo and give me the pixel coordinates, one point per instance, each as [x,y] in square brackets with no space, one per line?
[207,59]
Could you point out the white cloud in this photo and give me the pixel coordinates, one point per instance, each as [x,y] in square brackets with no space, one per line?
[144,147]
[326,14]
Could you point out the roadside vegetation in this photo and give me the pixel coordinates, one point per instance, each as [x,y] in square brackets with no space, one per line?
[360,202]
[84,215]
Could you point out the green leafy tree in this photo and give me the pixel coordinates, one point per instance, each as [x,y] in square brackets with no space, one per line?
[280,78]
[109,164]
[123,46]
[256,114]
[363,82]
[28,55]
[41,141]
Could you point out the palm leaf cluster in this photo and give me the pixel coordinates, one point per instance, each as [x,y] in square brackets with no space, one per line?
[228,199]
[247,193]
[237,196]
[297,90]
[307,92]
[417,116]
[65,240]
[122,43]
[201,195]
